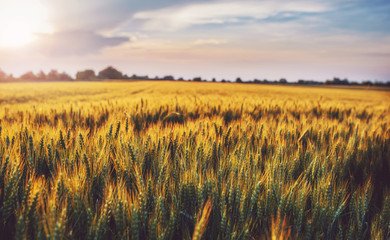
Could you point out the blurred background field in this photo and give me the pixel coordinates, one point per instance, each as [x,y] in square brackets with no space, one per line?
[92,92]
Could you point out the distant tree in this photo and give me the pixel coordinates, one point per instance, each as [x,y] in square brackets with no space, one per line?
[169,77]
[381,84]
[135,77]
[64,77]
[213,80]
[367,83]
[11,77]
[197,79]
[345,82]
[238,80]
[41,75]
[337,81]
[180,79]
[28,76]
[88,74]
[283,81]
[3,75]
[110,73]
[53,75]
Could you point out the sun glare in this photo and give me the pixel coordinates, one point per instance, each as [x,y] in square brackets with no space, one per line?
[20,20]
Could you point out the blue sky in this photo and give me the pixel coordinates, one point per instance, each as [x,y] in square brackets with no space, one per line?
[303,39]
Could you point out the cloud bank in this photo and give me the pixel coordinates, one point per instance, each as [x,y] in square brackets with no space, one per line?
[76,42]
[180,17]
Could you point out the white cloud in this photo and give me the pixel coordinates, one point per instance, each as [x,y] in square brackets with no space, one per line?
[210,42]
[180,17]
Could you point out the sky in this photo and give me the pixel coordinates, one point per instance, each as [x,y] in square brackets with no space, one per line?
[222,39]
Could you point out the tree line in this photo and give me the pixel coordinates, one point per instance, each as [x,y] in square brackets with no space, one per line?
[112,73]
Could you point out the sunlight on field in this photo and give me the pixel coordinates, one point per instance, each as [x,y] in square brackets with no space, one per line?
[140,160]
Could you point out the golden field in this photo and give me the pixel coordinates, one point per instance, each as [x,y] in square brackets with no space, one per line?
[184,160]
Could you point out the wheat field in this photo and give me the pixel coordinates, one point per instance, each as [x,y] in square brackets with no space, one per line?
[181,160]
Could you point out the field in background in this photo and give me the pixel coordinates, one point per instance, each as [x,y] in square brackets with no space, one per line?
[178,160]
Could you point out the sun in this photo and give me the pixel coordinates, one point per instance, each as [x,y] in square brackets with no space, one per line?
[20,21]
